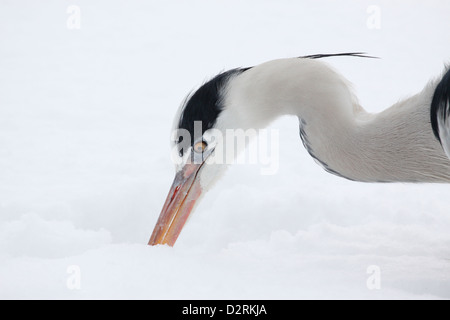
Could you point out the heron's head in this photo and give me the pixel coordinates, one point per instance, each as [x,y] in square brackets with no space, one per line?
[198,140]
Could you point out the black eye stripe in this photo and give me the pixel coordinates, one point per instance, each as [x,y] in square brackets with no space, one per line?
[206,104]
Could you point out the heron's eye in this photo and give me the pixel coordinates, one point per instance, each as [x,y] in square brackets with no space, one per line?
[199,147]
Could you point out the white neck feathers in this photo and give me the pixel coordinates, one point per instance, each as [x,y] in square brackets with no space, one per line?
[395,145]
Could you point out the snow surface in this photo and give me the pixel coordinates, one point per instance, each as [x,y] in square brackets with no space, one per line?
[85,117]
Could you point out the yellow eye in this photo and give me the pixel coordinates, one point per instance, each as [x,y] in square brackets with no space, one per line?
[199,147]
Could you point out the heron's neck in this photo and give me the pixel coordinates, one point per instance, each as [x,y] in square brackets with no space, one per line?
[395,145]
[306,88]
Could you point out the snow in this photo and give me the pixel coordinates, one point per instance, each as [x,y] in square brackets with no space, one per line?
[85,117]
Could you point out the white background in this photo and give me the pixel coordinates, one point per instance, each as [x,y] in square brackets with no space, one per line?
[85,117]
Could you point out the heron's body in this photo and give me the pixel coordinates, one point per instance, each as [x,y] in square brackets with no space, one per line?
[409,142]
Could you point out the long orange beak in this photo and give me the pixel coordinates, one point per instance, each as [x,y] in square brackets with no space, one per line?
[183,194]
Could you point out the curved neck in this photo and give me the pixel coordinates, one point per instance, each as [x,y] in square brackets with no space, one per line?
[306,88]
[395,145]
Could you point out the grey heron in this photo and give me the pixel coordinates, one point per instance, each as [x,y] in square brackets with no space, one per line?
[408,142]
